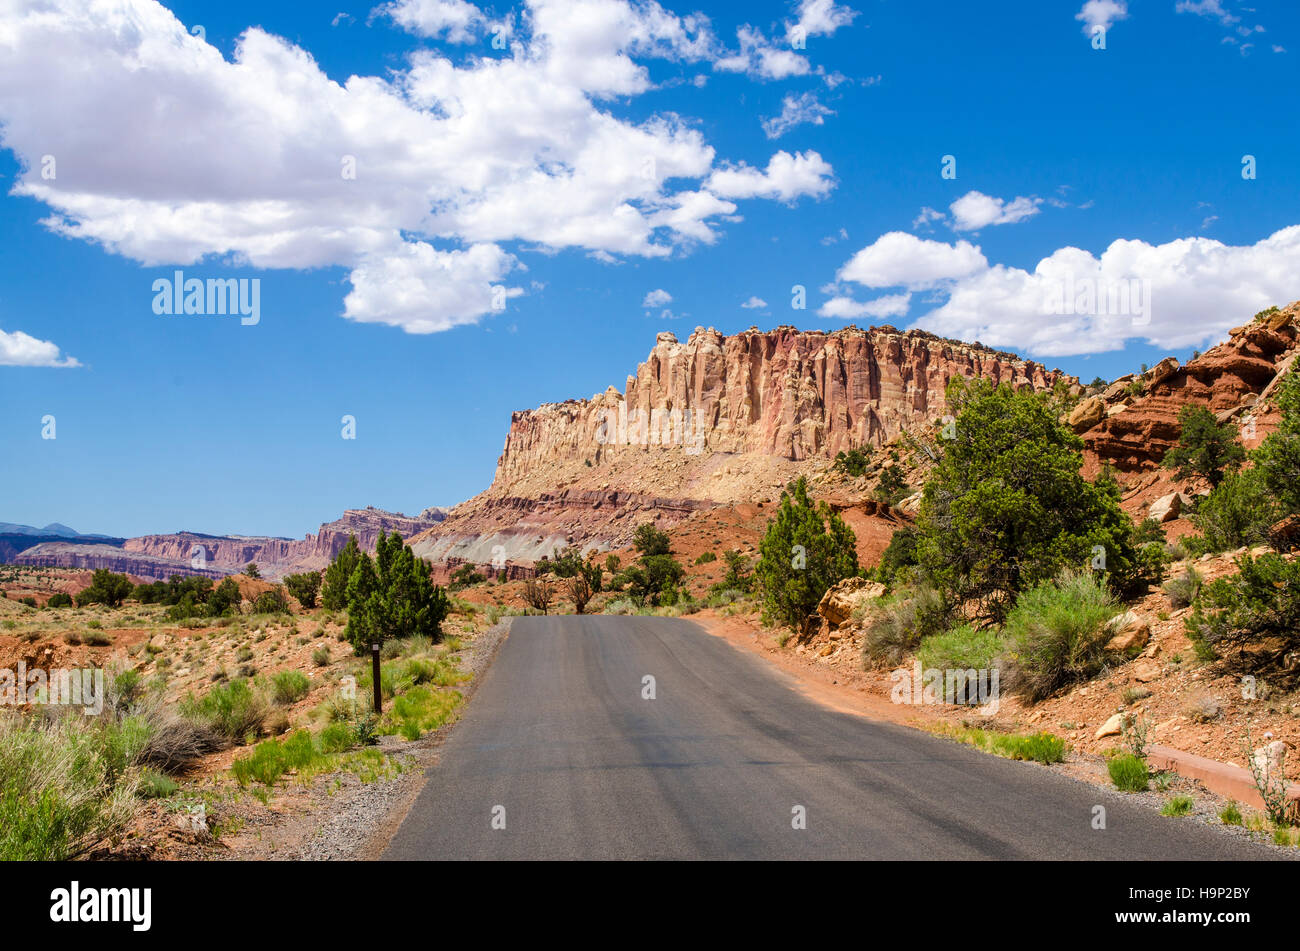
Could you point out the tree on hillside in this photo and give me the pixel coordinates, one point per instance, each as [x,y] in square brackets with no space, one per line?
[304,587]
[892,486]
[655,576]
[538,593]
[106,587]
[807,549]
[1006,507]
[252,570]
[1278,458]
[334,594]
[1206,448]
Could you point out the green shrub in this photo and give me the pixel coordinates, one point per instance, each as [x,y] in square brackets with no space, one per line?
[1257,607]
[1128,773]
[894,627]
[1057,630]
[156,786]
[898,557]
[1182,591]
[59,600]
[272,601]
[705,558]
[338,738]
[233,711]
[854,462]
[64,786]
[321,656]
[958,652]
[1231,814]
[290,686]
[1177,806]
[1237,512]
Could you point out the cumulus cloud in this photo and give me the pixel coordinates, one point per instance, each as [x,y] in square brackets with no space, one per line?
[975,210]
[1101,13]
[786,178]
[18,349]
[890,305]
[657,298]
[453,20]
[754,303]
[898,259]
[408,181]
[1183,293]
[796,110]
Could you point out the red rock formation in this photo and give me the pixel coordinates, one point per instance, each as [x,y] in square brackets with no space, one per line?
[786,393]
[160,556]
[1228,379]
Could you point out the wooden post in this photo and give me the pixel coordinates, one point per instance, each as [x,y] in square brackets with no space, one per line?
[379,690]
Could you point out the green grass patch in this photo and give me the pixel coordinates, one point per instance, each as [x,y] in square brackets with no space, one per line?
[1177,806]
[1043,747]
[1129,773]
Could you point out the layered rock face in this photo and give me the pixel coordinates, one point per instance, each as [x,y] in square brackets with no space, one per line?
[785,393]
[715,420]
[1131,428]
[160,556]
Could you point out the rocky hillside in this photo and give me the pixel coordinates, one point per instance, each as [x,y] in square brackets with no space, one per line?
[160,556]
[715,420]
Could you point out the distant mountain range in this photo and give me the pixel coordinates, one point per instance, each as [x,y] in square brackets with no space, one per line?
[56,529]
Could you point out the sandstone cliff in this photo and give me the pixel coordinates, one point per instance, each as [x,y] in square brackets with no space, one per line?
[715,420]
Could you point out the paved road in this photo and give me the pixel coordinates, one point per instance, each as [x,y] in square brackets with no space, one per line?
[559,737]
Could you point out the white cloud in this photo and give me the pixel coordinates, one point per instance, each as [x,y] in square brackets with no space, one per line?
[18,349]
[1183,293]
[898,259]
[1206,8]
[819,18]
[1101,13]
[657,298]
[927,216]
[754,303]
[452,20]
[424,290]
[796,110]
[786,178]
[245,158]
[767,59]
[975,210]
[890,305]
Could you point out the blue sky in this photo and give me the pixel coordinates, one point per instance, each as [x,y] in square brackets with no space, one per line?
[609,151]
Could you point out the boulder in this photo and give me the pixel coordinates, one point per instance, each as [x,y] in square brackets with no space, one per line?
[1112,727]
[1087,414]
[1146,671]
[1130,633]
[1168,507]
[837,604]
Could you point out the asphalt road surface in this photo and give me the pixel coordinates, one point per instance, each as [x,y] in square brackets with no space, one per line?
[560,747]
